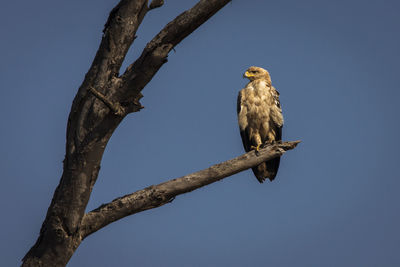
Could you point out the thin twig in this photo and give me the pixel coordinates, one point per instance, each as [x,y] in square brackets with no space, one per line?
[116,108]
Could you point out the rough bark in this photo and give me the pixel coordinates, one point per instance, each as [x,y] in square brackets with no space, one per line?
[92,121]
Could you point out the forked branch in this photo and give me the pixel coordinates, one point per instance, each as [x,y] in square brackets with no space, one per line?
[90,126]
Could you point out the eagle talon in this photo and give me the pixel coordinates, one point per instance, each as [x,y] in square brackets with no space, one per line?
[256,148]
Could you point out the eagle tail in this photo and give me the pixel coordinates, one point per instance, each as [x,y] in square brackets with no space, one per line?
[267,169]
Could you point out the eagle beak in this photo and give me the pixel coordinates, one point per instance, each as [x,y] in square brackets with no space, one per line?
[247,74]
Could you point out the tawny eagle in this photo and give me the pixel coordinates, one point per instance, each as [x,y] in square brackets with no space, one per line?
[260,118]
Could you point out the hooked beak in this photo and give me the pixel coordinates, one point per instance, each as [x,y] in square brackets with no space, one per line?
[247,75]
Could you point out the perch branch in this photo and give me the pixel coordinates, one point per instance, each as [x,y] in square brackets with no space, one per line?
[158,195]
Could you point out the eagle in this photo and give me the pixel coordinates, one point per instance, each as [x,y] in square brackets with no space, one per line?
[260,118]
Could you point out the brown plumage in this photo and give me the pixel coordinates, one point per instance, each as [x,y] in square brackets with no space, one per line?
[260,118]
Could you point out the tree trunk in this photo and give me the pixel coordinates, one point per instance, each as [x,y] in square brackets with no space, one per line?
[102,101]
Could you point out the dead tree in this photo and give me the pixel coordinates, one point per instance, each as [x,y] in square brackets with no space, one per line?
[101,103]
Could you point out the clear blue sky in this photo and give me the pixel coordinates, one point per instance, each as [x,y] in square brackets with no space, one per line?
[336,198]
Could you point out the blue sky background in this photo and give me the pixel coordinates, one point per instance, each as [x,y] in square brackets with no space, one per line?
[336,198]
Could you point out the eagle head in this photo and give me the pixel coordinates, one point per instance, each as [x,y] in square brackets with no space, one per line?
[254,73]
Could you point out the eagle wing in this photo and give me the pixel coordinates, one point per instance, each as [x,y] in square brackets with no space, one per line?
[243,132]
[276,124]
[276,114]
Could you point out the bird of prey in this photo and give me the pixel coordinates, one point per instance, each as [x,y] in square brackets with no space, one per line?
[260,118]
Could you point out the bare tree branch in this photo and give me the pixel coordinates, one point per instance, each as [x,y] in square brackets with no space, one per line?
[155,54]
[158,195]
